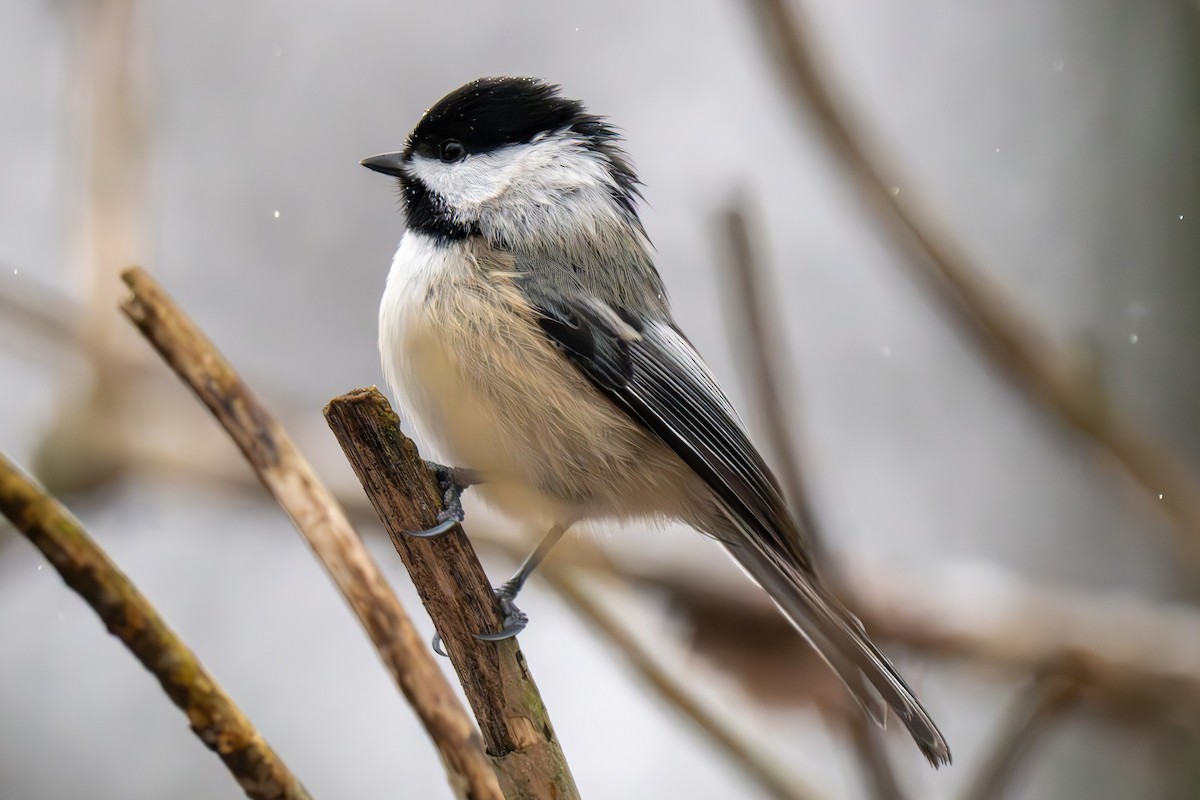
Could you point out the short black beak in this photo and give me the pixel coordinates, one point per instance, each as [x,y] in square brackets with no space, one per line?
[387,163]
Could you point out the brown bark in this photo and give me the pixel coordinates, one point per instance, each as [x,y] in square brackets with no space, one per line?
[128,615]
[456,593]
[322,522]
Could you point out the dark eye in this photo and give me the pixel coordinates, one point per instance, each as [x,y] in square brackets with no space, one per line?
[451,151]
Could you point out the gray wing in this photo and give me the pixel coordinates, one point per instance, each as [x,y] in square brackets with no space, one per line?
[650,370]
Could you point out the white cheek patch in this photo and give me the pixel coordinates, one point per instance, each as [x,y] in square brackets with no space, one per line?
[538,173]
[469,183]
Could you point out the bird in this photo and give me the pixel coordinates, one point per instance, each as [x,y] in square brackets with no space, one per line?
[527,334]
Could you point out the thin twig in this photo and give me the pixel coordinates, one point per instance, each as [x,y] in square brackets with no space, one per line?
[1062,383]
[1135,657]
[1030,717]
[455,591]
[114,123]
[85,445]
[38,311]
[766,350]
[868,745]
[128,615]
[288,476]
[764,771]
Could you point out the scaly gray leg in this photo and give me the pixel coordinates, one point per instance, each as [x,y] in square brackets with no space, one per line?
[515,619]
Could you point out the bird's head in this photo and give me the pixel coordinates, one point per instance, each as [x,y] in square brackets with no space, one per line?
[513,160]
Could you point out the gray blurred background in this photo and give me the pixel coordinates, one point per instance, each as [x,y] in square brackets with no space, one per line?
[218,144]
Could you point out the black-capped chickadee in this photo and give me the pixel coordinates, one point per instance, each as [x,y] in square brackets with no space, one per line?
[527,334]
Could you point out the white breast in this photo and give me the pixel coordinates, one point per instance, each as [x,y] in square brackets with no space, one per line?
[475,376]
[405,331]
[433,325]
[437,318]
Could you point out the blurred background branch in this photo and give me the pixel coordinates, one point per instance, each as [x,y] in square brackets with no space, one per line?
[753,315]
[1062,381]
[753,318]
[1034,711]
[214,717]
[763,768]
[40,313]
[1129,652]
[87,444]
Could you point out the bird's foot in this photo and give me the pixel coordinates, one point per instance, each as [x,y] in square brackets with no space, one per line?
[453,482]
[515,619]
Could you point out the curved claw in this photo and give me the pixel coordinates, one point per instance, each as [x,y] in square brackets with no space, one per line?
[437,530]
[515,620]
[452,483]
[510,630]
[437,646]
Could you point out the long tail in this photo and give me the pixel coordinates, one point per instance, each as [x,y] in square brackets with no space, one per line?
[840,639]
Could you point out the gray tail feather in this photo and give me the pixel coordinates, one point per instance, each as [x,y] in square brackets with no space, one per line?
[842,642]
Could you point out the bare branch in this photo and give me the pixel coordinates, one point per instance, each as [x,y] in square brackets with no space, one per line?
[1062,383]
[765,350]
[455,591]
[1133,656]
[868,745]
[114,120]
[763,770]
[40,312]
[766,342]
[1042,703]
[128,615]
[84,447]
[321,520]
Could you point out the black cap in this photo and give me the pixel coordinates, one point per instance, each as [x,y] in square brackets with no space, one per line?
[490,113]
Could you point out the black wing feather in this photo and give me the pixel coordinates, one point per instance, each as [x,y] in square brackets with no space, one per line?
[655,378]
[597,352]
[651,372]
